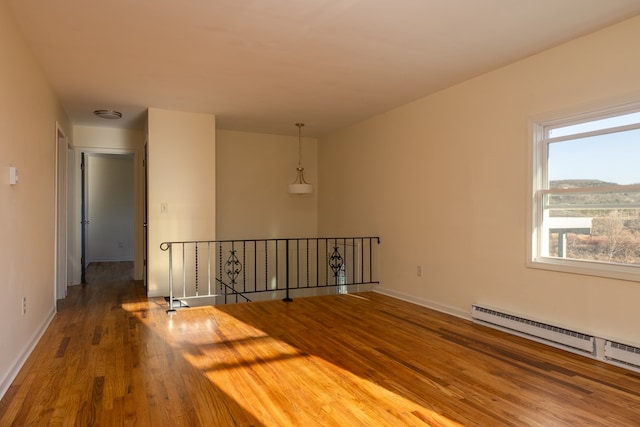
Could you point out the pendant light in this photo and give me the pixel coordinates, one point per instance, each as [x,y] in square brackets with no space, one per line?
[300,186]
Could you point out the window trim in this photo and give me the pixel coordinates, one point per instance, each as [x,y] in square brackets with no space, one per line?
[537,176]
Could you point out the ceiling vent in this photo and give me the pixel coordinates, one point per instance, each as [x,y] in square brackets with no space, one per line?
[108,114]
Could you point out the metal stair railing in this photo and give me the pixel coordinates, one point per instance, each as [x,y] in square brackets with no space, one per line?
[234,270]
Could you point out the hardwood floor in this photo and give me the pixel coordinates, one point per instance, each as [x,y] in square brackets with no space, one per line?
[111,357]
[104,273]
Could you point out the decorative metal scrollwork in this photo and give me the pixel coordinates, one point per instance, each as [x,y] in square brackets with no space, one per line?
[233,266]
[335,261]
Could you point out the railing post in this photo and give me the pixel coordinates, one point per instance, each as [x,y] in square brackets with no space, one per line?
[184,270]
[171,309]
[286,298]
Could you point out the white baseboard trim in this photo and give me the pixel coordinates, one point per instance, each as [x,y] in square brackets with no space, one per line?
[12,373]
[423,302]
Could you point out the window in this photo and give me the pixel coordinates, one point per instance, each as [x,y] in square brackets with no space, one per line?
[586,193]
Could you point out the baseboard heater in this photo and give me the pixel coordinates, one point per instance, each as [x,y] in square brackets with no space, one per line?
[626,355]
[608,351]
[556,336]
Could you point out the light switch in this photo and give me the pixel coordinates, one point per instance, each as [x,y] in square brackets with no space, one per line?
[13,175]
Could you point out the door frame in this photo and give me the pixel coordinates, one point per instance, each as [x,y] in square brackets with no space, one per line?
[145,217]
[83,217]
[62,218]
[82,151]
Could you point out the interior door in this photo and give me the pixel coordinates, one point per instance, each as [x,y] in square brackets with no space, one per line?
[83,222]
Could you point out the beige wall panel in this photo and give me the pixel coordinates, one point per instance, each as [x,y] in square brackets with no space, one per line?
[182,165]
[444,182]
[253,171]
[28,115]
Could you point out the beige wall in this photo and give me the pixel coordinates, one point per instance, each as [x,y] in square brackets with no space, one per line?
[92,139]
[108,138]
[182,173]
[28,115]
[252,174]
[444,182]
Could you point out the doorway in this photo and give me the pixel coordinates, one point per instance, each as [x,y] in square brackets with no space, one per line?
[108,210]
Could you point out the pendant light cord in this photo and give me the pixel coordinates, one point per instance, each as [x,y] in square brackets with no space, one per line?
[299,144]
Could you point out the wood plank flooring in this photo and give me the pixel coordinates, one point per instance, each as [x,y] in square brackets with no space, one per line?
[113,358]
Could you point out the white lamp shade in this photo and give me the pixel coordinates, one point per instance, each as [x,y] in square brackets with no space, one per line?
[300,188]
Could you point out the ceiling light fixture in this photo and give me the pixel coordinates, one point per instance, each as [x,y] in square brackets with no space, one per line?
[108,114]
[300,186]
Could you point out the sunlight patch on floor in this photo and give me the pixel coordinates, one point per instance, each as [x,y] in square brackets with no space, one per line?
[270,378]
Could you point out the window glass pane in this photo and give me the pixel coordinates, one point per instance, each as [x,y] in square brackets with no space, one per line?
[611,122]
[605,235]
[597,160]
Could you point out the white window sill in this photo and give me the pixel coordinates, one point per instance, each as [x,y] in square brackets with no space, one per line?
[589,268]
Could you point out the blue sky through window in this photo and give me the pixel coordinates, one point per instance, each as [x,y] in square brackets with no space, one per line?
[612,157]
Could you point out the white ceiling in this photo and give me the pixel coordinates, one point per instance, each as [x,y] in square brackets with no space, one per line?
[263,65]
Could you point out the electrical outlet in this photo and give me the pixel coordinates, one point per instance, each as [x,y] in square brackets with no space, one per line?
[164,207]
[419,271]
[24,305]
[121,244]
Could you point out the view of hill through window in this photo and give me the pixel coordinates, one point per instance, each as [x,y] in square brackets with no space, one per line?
[607,235]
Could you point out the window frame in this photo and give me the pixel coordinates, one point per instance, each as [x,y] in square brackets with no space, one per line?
[538,174]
